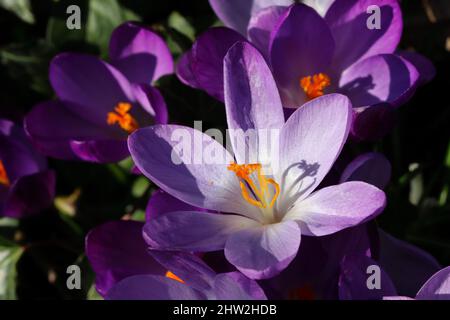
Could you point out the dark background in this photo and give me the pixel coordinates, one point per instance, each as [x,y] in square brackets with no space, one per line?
[88,194]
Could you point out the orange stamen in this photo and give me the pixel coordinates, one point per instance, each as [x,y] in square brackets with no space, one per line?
[122,117]
[243,172]
[173,276]
[314,85]
[3,175]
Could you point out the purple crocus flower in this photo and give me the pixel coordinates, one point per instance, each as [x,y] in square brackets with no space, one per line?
[125,270]
[312,55]
[101,103]
[26,184]
[266,212]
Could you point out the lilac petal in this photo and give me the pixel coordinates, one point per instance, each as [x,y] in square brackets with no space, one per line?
[184,70]
[91,85]
[235,286]
[152,102]
[262,252]
[261,25]
[237,13]
[373,123]
[301,45]
[373,168]
[116,250]
[348,21]
[30,194]
[304,161]
[17,155]
[408,266]
[437,287]
[355,277]
[321,6]
[425,67]
[193,231]
[397,298]
[207,55]
[337,207]
[189,165]
[51,126]
[381,78]
[188,267]
[150,287]
[161,202]
[140,54]
[101,151]
[252,103]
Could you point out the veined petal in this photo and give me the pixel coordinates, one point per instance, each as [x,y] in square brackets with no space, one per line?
[437,287]
[236,286]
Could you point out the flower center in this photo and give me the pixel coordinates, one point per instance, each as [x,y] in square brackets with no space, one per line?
[254,185]
[314,85]
[173,276]
[305,292]
[122,117]
[3,176]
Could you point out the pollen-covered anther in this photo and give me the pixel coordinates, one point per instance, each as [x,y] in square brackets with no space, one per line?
[314,85]
[173,276]
[121,116]
[4,180]
[254,185]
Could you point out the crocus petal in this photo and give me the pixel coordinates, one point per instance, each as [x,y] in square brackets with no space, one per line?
[235,286]
[373,168]
[150,287]
[349,20]
[101,151]
[381,78]
[116,250]
[207,56]
[372,123]
[304,162]
[355,279]
[425,67]
[184,70]
[252,102]
[30,194]
[437,287]
[301,45]
[189,165]
[152,102]
[193,231]
[408,265]
[237,13]
[140,54]
[91,85]
[18,156]
[321,6]
[261,25]
[262,252]
[161,202]
[337,207]
[186,266]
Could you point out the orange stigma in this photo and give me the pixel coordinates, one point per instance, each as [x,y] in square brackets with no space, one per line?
[173,276]
[121,115]
[314,85]
[258,196]
[3,176]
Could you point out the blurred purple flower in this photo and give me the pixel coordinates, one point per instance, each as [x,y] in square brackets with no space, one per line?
[262,235]
[100,103]
[26,184]
[312,55]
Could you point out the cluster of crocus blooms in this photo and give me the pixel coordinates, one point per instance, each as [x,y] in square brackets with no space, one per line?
[256,224]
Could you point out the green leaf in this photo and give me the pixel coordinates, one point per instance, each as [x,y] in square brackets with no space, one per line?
[93,294]
[179,23]
[9,256]
[20,8]
[140,186]
[103,17]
